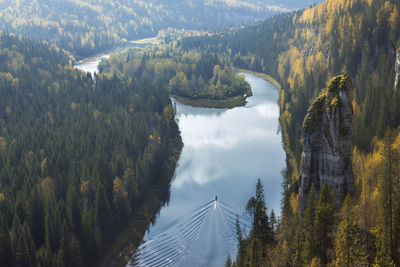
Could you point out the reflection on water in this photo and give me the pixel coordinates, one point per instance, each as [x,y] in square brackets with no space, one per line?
[224,153]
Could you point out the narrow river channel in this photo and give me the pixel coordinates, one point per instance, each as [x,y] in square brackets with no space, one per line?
[225,152]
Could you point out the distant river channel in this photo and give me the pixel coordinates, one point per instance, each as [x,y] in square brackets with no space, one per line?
[225,152]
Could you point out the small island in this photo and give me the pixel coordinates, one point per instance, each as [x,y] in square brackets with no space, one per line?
[193,78]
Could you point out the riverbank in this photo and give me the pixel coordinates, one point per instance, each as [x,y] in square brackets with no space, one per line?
[121,250]
[151,40]
[237,101]
[264,76]
[119,48]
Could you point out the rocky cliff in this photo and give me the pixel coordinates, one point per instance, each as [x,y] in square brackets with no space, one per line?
[327,144]
[397,69]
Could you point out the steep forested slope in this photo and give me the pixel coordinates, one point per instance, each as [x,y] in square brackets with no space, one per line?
[77,158]
[303,51]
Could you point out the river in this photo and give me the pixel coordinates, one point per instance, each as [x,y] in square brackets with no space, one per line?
[225,152]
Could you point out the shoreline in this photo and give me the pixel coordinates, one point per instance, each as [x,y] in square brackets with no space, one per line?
[264,76]
[121,250]
[117,48]
[233,102]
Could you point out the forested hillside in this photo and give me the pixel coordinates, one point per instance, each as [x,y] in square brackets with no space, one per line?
[303,51]
[89,26]
[78,159]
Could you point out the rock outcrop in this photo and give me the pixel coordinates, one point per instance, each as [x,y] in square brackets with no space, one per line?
[327,142]
[397,69]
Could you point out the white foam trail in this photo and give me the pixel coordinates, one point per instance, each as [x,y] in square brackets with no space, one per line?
[204,236]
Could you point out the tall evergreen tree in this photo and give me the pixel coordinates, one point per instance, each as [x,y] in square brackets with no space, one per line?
[385,244]
[273,220]
[228,262]
[103,215]
[310,248]
[19,244]
[30,243]
[349,249]
[297,246]
[324,221]
[73,210]
[241,249]
[6,252]
[261,224]
[254,250]
[36,217]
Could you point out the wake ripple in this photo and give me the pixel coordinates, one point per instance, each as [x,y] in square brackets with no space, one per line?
[203,237]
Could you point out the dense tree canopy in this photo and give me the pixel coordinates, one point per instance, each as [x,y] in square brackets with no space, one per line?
[77,157]
[189,74]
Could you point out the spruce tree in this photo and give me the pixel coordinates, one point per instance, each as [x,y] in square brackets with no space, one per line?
[241,252]
[73,210]
[6,253]
[385,244]
[228,262]
[297,246]
[19,244]
[310,249]
[254,250]
[30,244]
[103,216]
[272,219]
[349,249]
[324,219]
[261,225]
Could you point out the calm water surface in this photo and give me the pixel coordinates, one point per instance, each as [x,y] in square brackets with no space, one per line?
[225,152]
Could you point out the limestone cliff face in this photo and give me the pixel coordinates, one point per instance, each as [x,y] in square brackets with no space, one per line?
[327,143]
[397,69]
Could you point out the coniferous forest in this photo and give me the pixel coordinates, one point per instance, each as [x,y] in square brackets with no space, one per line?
[84,158]
[78,158]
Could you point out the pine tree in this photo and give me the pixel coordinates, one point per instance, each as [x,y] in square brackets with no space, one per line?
[385,242]
[228,262]
[297,246]
[6,253]
[19,244]
[73,210]
[261,224]
[241,251]
[103,217]
[349,249]
[272,219]
[120,200]
[44,256]
[382,257]
[324,218]
[30,244]
[36,218]
[310,249]
[254,250]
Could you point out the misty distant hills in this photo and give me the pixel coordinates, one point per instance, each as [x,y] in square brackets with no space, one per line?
[87,26]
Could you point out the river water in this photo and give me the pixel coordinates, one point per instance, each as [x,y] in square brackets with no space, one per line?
[225,152]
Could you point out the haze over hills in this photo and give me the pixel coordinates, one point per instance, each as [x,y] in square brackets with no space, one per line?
[88,26]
